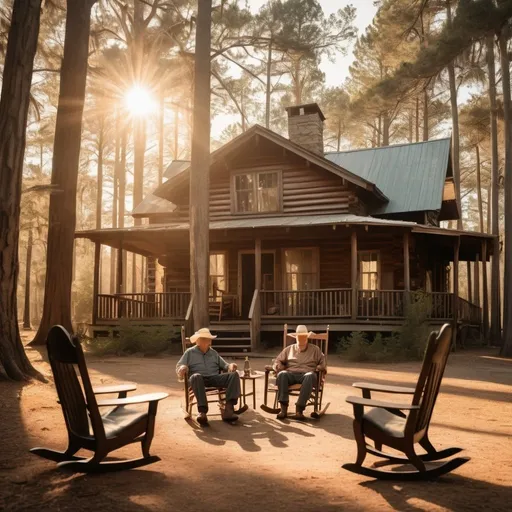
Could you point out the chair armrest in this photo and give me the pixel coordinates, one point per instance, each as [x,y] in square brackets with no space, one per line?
[139,399]
[115,388]
[383,388]
[367,402]
[269,369]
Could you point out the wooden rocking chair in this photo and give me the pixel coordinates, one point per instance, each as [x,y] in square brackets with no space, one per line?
[87,428]
[386,424]
[213,395]
[315,400]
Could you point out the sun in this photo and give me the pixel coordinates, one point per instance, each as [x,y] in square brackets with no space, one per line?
[139,101]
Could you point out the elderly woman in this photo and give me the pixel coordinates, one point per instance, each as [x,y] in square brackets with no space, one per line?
[203,364]
[297,364]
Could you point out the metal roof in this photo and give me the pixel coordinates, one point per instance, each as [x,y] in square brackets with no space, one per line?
[152,204]
[412,176]
[257,222]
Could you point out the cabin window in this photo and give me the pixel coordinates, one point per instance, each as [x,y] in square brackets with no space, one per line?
[369,270]
[301,269]
[218,273]
[256,192]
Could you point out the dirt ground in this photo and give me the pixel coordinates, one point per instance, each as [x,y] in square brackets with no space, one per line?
[261,463]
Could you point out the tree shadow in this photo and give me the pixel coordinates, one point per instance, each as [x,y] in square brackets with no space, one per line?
[451,492]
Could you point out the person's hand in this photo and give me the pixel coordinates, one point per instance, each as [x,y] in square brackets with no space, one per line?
[182,370]
[232,367]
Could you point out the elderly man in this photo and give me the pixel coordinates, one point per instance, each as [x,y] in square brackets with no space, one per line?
[203,364]
[297,364]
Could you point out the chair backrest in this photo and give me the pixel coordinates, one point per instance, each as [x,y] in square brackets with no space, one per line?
[77,400]
[429,381]
[321,340]
[185,342]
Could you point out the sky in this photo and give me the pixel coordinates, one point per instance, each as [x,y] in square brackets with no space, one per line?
[335,72]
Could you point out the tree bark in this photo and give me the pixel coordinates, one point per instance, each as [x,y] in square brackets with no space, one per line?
[115,199]
[200,168]
[99,175]
[14,104]
[507,105]
[417,119]
[495,330]
[385,129]
[28,271]
[66,161]
[425,114]
[122,197]
[161,137]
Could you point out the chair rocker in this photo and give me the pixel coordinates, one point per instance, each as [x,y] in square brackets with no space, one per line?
[385,423]
[321,340]
[213,395]
[87,428]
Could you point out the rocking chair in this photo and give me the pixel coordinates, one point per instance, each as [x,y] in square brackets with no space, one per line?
[321,340]
[87,428]
[386,424]
[213,395]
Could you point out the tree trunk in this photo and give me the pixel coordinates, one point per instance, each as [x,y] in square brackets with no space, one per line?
[417,119]
[495,331]
[161,137]
[115,199]
[99,175]
[139,149]
[507,105]
[122,197]
[200,168]
[269,85]
[66,161]
[28,272]
[425,114]
[455,122]
[385,130]
[14,103]
[479,189]
[176,133]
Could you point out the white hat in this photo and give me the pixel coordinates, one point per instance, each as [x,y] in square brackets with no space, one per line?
[301,329]
[202,333]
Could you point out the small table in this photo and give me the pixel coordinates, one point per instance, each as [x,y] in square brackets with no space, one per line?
[254,375]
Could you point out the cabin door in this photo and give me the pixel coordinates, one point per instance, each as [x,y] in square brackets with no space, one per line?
[248,278]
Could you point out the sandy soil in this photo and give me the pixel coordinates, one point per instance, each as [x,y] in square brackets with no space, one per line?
[261,463]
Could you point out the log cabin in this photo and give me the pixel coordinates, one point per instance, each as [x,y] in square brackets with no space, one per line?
[302,236]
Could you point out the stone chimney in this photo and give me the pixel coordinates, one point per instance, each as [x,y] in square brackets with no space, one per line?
[306,127]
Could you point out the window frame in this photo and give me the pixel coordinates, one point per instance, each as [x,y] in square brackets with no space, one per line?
[379,269]
[316,265]
[255,173]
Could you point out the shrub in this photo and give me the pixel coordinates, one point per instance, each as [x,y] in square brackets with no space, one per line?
[406,344]
[133,339]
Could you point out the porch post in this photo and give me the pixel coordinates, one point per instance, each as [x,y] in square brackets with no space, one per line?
[407,270]
[485,291]
[470,282]
[96,282]
[120,270]
[257,263]
[455,290]
[353,272]
[476,293]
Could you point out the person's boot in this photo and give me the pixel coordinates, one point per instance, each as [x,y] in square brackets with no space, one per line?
[299,412]
[202,419]
[283,412]
[228,413]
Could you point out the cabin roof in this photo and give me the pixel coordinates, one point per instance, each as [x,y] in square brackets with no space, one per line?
[152,204]
[177,171]
[412,176]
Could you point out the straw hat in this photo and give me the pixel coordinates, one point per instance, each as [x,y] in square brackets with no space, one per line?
[301,329]
[202,333]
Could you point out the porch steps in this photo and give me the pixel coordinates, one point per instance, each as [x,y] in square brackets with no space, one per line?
[233,338]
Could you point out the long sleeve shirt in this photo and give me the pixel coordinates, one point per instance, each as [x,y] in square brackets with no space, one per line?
[293,360]
[208,363]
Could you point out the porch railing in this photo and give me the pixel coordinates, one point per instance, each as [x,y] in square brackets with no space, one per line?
[334,302]
[469,312]
[168,305]
[380,303]
[441,305]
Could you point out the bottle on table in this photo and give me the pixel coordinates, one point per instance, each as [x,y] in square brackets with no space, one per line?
[247,367]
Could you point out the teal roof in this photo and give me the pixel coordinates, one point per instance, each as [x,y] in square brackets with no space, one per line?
[412,176]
